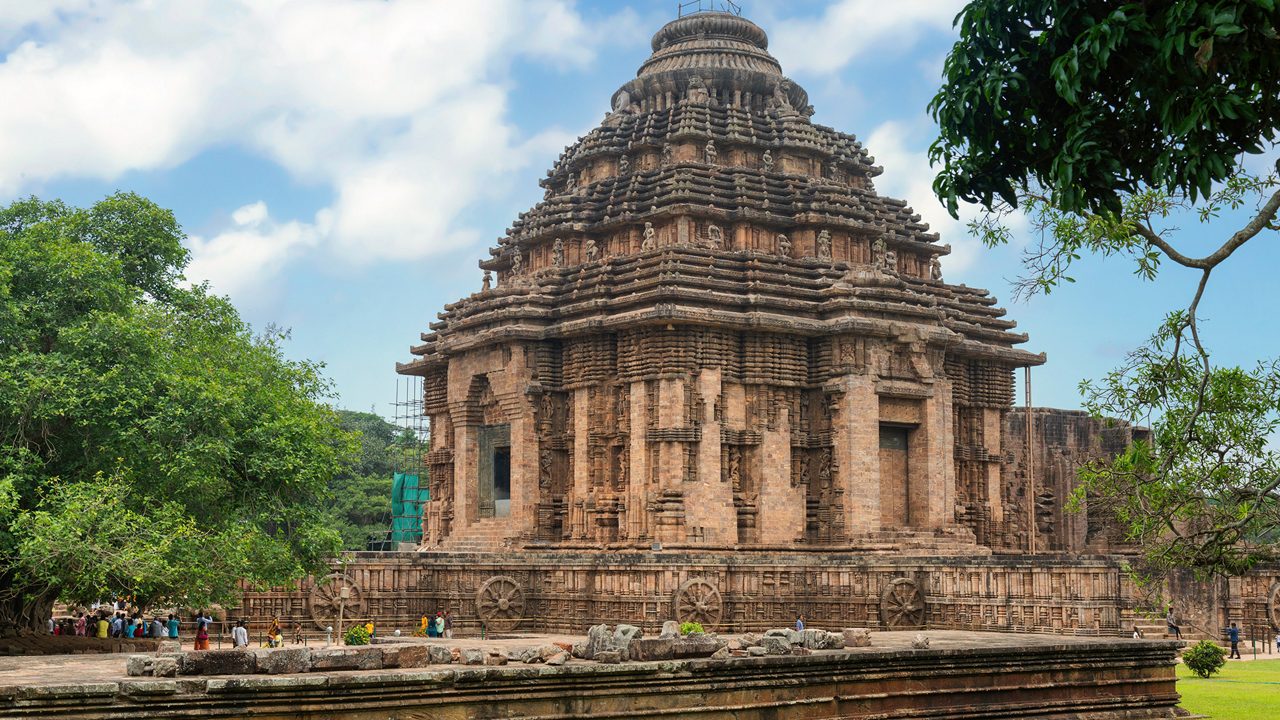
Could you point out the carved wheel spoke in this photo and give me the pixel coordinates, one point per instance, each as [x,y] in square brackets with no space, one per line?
[326,599]
[500,603]
[699,601]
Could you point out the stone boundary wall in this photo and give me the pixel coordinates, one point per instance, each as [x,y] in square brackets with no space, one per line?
[73,645]
[727,592]
[1099,680]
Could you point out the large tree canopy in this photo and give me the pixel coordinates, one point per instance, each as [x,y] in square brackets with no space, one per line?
[150,443]
[1094,99]
[1111,124]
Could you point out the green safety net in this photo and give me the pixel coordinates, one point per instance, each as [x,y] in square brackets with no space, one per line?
[406,508]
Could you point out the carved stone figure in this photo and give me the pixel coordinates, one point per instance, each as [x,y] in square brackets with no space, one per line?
[557,253]
[624,165]
[622,101]
[877,254]
[486,283]
[650,237]
[780,101]
[935,268]
[715,236]
[698,94]
[710,152]
[571,184]
[591,250]
[784,245]
[824,245]
[891,261]
[767,161]
[668,155]
[517,263]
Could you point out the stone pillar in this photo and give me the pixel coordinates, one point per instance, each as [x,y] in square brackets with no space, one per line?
[581,409]
[856,433]
[464,476]
[931,463]
[781,506]
[992,432]
[638,520]
[709,502]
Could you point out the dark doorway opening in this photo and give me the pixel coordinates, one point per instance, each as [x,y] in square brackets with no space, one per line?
[502,482]
[895,498]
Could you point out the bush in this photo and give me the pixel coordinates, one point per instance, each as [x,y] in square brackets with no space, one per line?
[690,627]
[356,635]
[1204,658]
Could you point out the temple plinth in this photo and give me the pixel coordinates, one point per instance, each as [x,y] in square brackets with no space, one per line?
[713,332]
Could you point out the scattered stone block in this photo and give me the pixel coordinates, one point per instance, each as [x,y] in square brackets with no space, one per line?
[547,651]
[659,648]
[284,661]
[670,629]
[164,667]
[440,655]
[495,660]
[856,637]
[920,642]
[362,658]
[779,632]
[608,657]
[755,651]
[219,662]
[408,656]
[800,650]
[137,665]
[722,653]
[558,659]
[472,656]
[775,645]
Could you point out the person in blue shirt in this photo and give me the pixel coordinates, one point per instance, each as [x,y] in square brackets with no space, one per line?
[1233,634]
[799,623]
[172,626]
[131,628]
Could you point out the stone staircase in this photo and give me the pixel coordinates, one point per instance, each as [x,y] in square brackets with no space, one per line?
[488,535]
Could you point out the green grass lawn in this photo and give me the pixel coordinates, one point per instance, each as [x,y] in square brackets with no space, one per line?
[1240,691]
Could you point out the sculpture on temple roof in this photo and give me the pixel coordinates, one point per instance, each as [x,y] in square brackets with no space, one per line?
[784,245]
[767,161]
[824,245]
[591,250]
[935,268]
[557,253]
[650,237]
[711,152]
[517,262]
[667,154]
[486,283]
[715,236]
[624,165]
[877,254]
[572,183]
[780,101]
[698,94]
[891,261]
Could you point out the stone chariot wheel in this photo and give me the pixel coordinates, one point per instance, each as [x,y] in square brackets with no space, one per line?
[326,598]
[1273,606]
[902,605]
[500,603]
[698,600]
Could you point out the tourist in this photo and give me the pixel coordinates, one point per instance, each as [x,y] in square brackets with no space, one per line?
[1172,621]
[369,626]
[117,625]
[799,623]
[173,626]
[276,639]
[157,628]
[104,627]
[53,626]
[439,624]
[240,636]
[81,623]
[202,631]
[131,628]
[297,634]
[1137,633]
[448,624]
[1233,634]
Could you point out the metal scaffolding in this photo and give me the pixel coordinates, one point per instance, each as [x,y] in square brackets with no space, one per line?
[409,486]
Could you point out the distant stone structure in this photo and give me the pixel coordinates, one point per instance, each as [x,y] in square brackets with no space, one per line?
[720,378]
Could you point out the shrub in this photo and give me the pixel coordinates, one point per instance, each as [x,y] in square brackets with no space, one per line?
[690,627]
[356,635]
[1204,658]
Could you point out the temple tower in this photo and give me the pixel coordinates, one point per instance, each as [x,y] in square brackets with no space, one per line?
[713,333]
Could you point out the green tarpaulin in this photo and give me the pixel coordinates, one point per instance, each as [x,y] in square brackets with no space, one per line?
[406,508]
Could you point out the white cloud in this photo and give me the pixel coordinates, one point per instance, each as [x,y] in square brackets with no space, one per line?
[851,28]
[398,107]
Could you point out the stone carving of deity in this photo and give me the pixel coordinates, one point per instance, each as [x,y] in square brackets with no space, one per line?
[622,101]
[517,263]
[784,245]
[592,251]
[781,102]
[824,245]
[891,261]
[650,237]
[487,283]
[710,152]
[698,91]
[935,268]
[572,183]
[877,254]
[624,165]
[557,253]
[735,467]
[715,236]
[767,161]
[667,154]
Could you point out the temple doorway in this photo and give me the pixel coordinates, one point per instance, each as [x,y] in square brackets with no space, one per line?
[501,482]
[493,476]
[895,502]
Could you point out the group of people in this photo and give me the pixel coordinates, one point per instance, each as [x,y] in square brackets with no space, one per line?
[119,625]
[441,625]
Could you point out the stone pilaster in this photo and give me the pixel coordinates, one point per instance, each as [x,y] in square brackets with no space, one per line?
[709,501]
[856,434]
[781,517]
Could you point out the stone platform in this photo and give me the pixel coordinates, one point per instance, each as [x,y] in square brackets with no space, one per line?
[962,675]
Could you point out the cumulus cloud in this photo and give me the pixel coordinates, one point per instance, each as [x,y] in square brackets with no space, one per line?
[398,107]
[851,28]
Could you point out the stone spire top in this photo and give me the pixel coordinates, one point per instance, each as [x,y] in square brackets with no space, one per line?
[710,40]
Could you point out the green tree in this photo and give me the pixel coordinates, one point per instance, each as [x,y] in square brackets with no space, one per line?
[362,493]
[1109,124]
[150,443]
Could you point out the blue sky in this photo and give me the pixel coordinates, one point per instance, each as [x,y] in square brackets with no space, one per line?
[341,165]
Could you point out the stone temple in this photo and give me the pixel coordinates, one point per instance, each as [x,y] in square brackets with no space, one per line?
[720,378]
